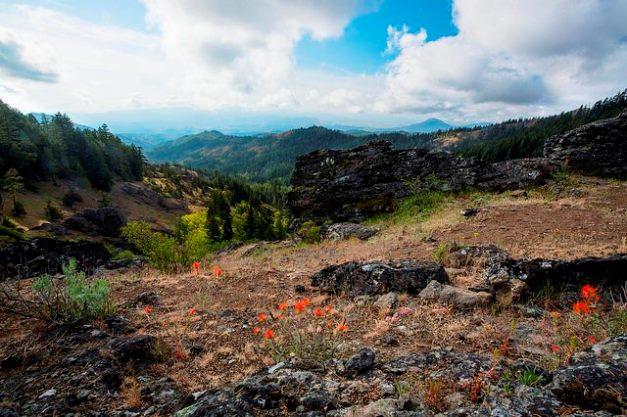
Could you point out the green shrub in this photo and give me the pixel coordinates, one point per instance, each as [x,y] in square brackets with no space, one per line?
[73,299]
[530,378]
[71,198]
[441,253]
[124,255]
[309,232]
[52,212]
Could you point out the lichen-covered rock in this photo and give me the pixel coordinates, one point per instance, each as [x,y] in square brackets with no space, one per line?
[510,278]
[339,231]
[459,298]
[597,378]
[596,148]
[134,348]
[354,278]
[350,185]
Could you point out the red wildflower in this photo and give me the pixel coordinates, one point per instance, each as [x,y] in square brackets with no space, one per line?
[555,348]
[581,307]
[217,271]
[590,293]
[341,327]
[256,330]
[191,311]
[318,312]
[148,310]
[301,305]
[262,317]
[196,267]
[278,316]
[592,339]
[282,306]
[269,334]
[328,309]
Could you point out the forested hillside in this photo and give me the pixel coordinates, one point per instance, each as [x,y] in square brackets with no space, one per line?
[262,158]
[55,149]
[521,138]
[271,157]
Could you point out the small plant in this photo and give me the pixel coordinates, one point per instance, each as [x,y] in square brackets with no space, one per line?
[402,388]
[130,392]
[52,212]
[434,392]
[309,232]
[124,255]
[70,300]
[70,198]
[530,378]
[298,330]
[440,254]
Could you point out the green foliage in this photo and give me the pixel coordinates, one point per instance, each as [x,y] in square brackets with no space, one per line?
[54,148]
[52,212]
[520,138]
[617,321]
[168,253]
[70,198]
[74,299]
[440,254]
[18,209]
[417,207]
[530,378]
[124,255]
[309,232]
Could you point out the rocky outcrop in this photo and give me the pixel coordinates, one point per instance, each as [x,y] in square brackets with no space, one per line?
[38,256]
[511,279]
[354,278]
[350,185]
[596,148]
[103,221]
[459,298]
[339,231]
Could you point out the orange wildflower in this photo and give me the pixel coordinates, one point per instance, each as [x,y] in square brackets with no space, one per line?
[148,310]
[256,330]
[341,327]
[328,309]
[191,311]
[555,348]
[269,334]
[282,306]
[278,316]
[196,267]
[217,271]
[301,305]
[318,312]
[262,317]
[592,339]
[581,307]
[589,293]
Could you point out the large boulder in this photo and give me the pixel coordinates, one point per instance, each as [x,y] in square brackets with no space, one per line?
[103,221]
[511,278]
[339,231]
[596,148]
[27,258]
[378,277]
[350,185]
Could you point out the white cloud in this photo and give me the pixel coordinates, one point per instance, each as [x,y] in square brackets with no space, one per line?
[510,58]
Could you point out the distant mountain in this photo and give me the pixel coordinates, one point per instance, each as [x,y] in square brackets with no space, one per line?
[429,125]
[270,156]
[40,117]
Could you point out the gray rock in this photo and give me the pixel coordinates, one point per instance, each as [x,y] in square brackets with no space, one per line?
[339,231]
[103,221]
[387,301]
[360,362]
[459,298]
[371,278]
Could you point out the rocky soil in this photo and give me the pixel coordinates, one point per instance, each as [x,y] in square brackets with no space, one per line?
[445,316]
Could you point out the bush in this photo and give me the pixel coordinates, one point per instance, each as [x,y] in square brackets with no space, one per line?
[71,198]
[165,252]
[124,255]
[70,300]
[52,212]
[309,232]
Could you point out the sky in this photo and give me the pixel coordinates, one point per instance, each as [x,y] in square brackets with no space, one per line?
[377,63]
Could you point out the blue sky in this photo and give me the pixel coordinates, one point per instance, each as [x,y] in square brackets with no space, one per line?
[359,62]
